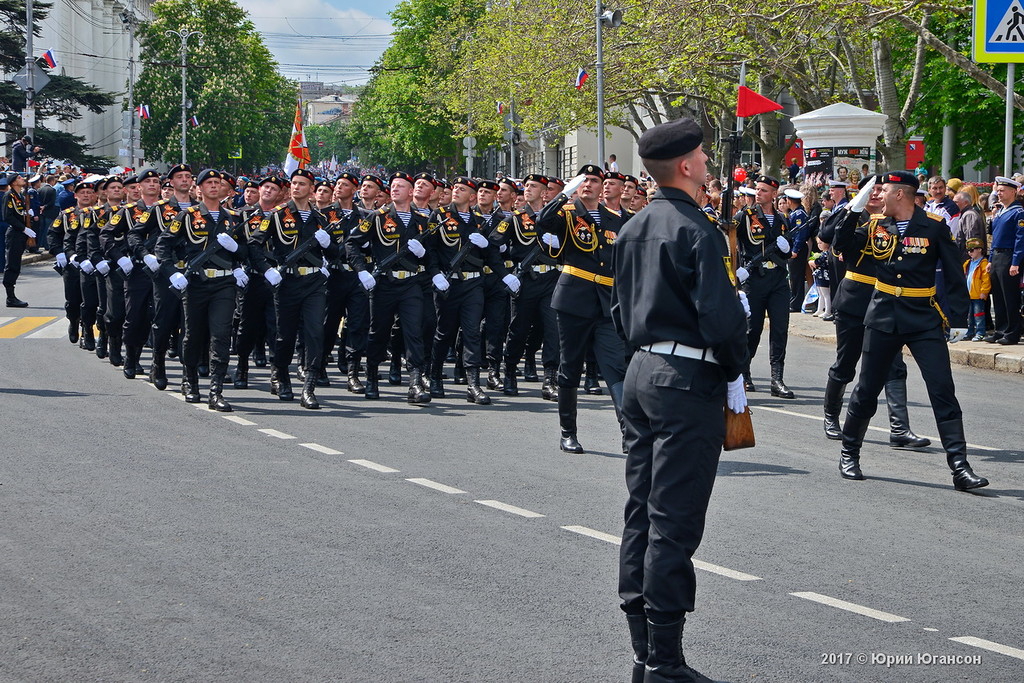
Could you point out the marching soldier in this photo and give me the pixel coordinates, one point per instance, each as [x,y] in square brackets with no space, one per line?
[62,238]
[205,238]
[295,237]
[108,217]
[94,271]
[496,293]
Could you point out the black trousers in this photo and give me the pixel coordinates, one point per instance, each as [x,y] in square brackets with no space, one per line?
[403,298]
[72,293]
[257,318]
[931,352]
[849,346]
[768,294]
[1006,296]
[209,306]
[575,336]
[300,299]
[797,268]
[94,301]
[346,299]
[138,303]
[463,307]
[495,320]
[674,427]
[115,313]
[167,314]
[532,309]
[14,248]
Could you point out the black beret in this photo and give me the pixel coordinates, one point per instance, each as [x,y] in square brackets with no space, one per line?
[113,179]
[425,176]
[228,177]
[85,185]
[537,178]
[401,175]
[324,183]
[900,178]
[768,180]
[864,181]
[251,184]
[166,183]
[350,177]
[178,168]
[555,180]
[591,169]
[487,185]
[615,175]
[511,183]
[370,178]
[148,173]
[463,180]
[130,180]
[670,140]
[631,179]
[302,173]
[272,179]
[209,174]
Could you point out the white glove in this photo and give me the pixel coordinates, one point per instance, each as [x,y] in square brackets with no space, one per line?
[512,282]
[179,281]
[273,276]
[125,264]
[573,185]
[74,261]
[367,280]
[861,200]
[416,249]
[29,232]
[550,239]
[744,303]
[241,279]
[783,244]
[152,262]
[32,212]
[502,249]
[225,240]
[87,267]
[956,334]
[736,397]
[440,282]
[478,240]
[322,238]
[62,259]
[103,267]
[742,274]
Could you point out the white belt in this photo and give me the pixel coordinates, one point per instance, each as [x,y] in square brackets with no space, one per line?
[542,268]
[403,274]
[669,348]
[466,276]
[212,273]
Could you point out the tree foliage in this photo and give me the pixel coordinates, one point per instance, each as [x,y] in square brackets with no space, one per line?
[238,96]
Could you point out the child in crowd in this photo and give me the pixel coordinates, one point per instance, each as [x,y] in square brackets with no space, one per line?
[979,284]
[819,263]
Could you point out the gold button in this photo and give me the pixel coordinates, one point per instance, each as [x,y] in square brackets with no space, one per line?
[899,275]
[899,258]
[602,263]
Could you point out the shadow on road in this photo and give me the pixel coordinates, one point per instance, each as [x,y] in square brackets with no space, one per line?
[45,393]
[733,468]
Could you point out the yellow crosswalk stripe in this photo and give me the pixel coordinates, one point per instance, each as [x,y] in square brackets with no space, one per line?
[23,325]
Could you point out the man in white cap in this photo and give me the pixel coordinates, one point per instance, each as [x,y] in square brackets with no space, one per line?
[1005,255]
[800,229]
[837,192]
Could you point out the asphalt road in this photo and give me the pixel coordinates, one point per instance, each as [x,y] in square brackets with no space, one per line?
[147,539]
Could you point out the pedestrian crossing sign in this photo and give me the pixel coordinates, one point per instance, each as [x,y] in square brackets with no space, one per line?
[998,34]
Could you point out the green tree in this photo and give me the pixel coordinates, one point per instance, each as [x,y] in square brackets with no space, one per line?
[239,98]
[336,139]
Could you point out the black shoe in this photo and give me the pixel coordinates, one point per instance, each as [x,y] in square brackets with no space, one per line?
[217,401]
[474,394]
[828,318]
[15,302]
[665,660]
[158,373]
[129,371]
[395,374]
[172,350]
[1004,341]
[908,440]
[965,480]
[101,345]
[779,388]
[116,359]
[241,377]
[591,386]
[204,370]
[849,468]
[832,429]
[260,360]
[748,383]
[459,375]
[322,380]
[73,329]
[354,385]
[509,385]
[372,389]
[284,386]
[494,379]
[530,370]
[308,400]
[549,390]
[436,386]
[570,444]
[417,395]
[190,386]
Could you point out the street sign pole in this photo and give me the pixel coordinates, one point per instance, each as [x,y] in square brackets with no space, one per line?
[30,92]
[1008,132]
[998,38]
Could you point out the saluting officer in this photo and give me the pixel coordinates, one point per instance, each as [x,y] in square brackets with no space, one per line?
[907,244]
[300,280]
[208,232]
[580,234]
[62,238]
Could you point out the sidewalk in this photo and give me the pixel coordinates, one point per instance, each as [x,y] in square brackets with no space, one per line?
[975,354]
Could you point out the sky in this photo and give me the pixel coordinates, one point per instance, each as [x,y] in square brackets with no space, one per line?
[334,41]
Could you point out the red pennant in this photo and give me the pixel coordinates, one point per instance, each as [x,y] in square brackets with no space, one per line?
[749,103]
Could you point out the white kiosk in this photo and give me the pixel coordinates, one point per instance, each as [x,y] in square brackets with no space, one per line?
[838,141]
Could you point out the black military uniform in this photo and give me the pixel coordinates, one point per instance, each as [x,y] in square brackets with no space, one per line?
[767,286]
[111,248]
[94,270]
[903,312]
[582,300]
[302,294]
[15,215]
[496,298]
[674,303]
[801,229]
[192,238]
[62,248]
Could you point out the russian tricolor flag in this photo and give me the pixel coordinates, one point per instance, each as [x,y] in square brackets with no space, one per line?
[194,122]
[143,111]
[581,78]
[501,107]
[50,59]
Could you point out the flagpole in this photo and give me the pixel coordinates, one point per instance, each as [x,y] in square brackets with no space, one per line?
[600,87]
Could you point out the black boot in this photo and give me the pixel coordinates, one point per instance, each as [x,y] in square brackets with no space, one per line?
[509,385]
[416,393]
[494,378]
[853,438]
[590,383]
[190,385]
[530,369]
[372,389]
[158,371]
[259,356]
[638,638]
[748,383]
[352,370]
[833,407]
[12,300]
[131,361]
[900,435]
[549,389]
[459,373]
[779,387]
[88,341]
[322,380]
[436,385]
[284,385]
[951,432]
[217,401]
[242,373]
[275,382]
[665,660]
[73,328]
[116,359]
[474,394]
[567,420]
[308,391]
[101,343]
[395,373]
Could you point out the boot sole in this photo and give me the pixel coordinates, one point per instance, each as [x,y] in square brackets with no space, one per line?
[971,488]
[852,477]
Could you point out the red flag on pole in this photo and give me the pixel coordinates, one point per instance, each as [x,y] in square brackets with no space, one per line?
[749,103]
[298,150]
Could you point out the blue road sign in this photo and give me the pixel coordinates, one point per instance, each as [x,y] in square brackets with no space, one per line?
[998,34]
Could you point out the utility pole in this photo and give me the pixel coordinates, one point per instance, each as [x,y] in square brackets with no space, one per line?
[128,17]
[184,35]
[29,117]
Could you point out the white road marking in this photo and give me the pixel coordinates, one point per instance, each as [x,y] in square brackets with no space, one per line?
[174,394]
[371,465]
[989,645]
[239,420]
[321,449]
[276,434]
[725,571]
[5,319]
[931,630]
[498,505]
[935,439]
[593,533]
[850,607]
[54,330]
[443,488]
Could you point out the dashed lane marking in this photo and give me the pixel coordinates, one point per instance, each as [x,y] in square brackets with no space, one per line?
[55,330]
[725,571]
[593,533]
[505,507]
[239,420]
[5,319]
[375,466]
[443,488]
[989,645]
[23,325]
[321,449]
[276,434]
[850,607]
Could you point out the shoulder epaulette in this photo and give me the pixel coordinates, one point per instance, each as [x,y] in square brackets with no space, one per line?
[232,212]
[70,210]
[878,216]
[162,202]
[384,210]
[569,207]
[934,216]
[193,209]
[130,205]
[281,207]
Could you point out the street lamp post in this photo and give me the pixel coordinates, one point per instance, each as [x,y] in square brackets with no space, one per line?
[184,35]
[611,19]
